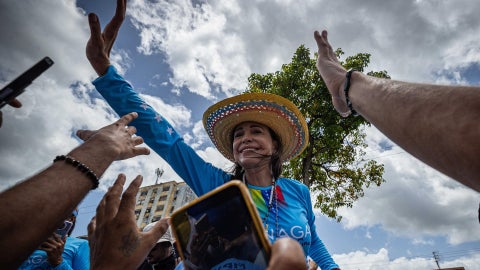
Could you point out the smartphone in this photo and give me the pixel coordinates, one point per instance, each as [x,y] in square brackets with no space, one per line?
[221,229]
[17,86]
[64,229]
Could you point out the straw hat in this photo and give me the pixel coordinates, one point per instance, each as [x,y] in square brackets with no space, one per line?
[273,111]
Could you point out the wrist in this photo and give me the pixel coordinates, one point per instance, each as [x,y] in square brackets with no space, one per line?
[93,156]
[346,90]
[102,69]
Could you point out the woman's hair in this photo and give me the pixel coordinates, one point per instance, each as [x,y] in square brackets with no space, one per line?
[275,162]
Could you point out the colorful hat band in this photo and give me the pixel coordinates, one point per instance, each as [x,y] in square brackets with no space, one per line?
[273,112]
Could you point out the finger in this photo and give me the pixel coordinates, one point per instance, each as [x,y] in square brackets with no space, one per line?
[85,135]
[131,130]
[91,228]
[120,12]
[329,48]
[100,210]
[127,204]
[57,238]
[126,119]
[15,103]
[322,42]
[95,30]
[137,140]
[318,38]
[112,28]
[158,230]
[137,151]
[112,197]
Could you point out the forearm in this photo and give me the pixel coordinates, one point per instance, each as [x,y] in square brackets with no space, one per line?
[436,124]
[52,195]
[159,134]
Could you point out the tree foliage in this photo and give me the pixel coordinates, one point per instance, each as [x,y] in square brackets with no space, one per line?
[333,164]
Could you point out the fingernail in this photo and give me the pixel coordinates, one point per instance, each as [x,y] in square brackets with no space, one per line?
[92,17]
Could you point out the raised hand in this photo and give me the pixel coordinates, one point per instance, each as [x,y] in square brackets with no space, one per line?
[117,139]
[115,241]
[332,72]
[100,43]
[54,248]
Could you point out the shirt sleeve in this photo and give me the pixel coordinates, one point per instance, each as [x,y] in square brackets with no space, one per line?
[318,252]
[81,260]
[159,134]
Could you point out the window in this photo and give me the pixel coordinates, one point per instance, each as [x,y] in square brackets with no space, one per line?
[163,198]
[144,193]
[167,188]
[160,207]
[156,218]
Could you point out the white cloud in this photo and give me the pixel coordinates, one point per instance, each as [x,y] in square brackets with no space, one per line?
[177,115]
[212,46]
[201,54]
[415,201]
[381,260]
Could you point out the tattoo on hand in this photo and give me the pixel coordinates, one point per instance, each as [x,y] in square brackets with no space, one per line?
[130,242]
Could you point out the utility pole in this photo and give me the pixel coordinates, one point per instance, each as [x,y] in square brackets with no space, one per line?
[436,257]
[159,172]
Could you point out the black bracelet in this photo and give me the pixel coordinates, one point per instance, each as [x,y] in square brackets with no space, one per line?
[346,88]
[80,166]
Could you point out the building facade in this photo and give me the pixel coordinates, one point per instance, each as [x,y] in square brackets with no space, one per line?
[160,200]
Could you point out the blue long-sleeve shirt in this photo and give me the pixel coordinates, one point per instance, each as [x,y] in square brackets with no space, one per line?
[295,212]
[76,256]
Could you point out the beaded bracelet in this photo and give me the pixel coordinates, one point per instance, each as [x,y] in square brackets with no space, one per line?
[80,166]
[346,88]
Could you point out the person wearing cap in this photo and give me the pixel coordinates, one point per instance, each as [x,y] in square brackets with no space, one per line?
[258,132]
[162,256]
[61,252]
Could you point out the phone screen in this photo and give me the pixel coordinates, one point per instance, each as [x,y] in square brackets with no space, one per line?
[220,230]
[63,230]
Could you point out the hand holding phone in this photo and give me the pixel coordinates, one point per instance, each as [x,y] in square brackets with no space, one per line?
[64,229]
[221,228]
[17,86]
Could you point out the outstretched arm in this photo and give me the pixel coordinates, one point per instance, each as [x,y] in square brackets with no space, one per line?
[435,123]
[47,198]
[157,132]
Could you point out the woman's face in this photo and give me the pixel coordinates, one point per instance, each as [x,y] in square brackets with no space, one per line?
[252,144]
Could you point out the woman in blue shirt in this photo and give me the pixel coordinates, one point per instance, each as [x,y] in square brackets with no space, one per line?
[258,132]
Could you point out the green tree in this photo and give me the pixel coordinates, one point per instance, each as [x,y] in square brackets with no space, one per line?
[333,164]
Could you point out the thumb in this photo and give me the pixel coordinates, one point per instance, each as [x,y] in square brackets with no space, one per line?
[159,229]
[85,134]
[15,103]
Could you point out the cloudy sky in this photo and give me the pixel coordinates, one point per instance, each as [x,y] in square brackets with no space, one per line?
[184,55]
